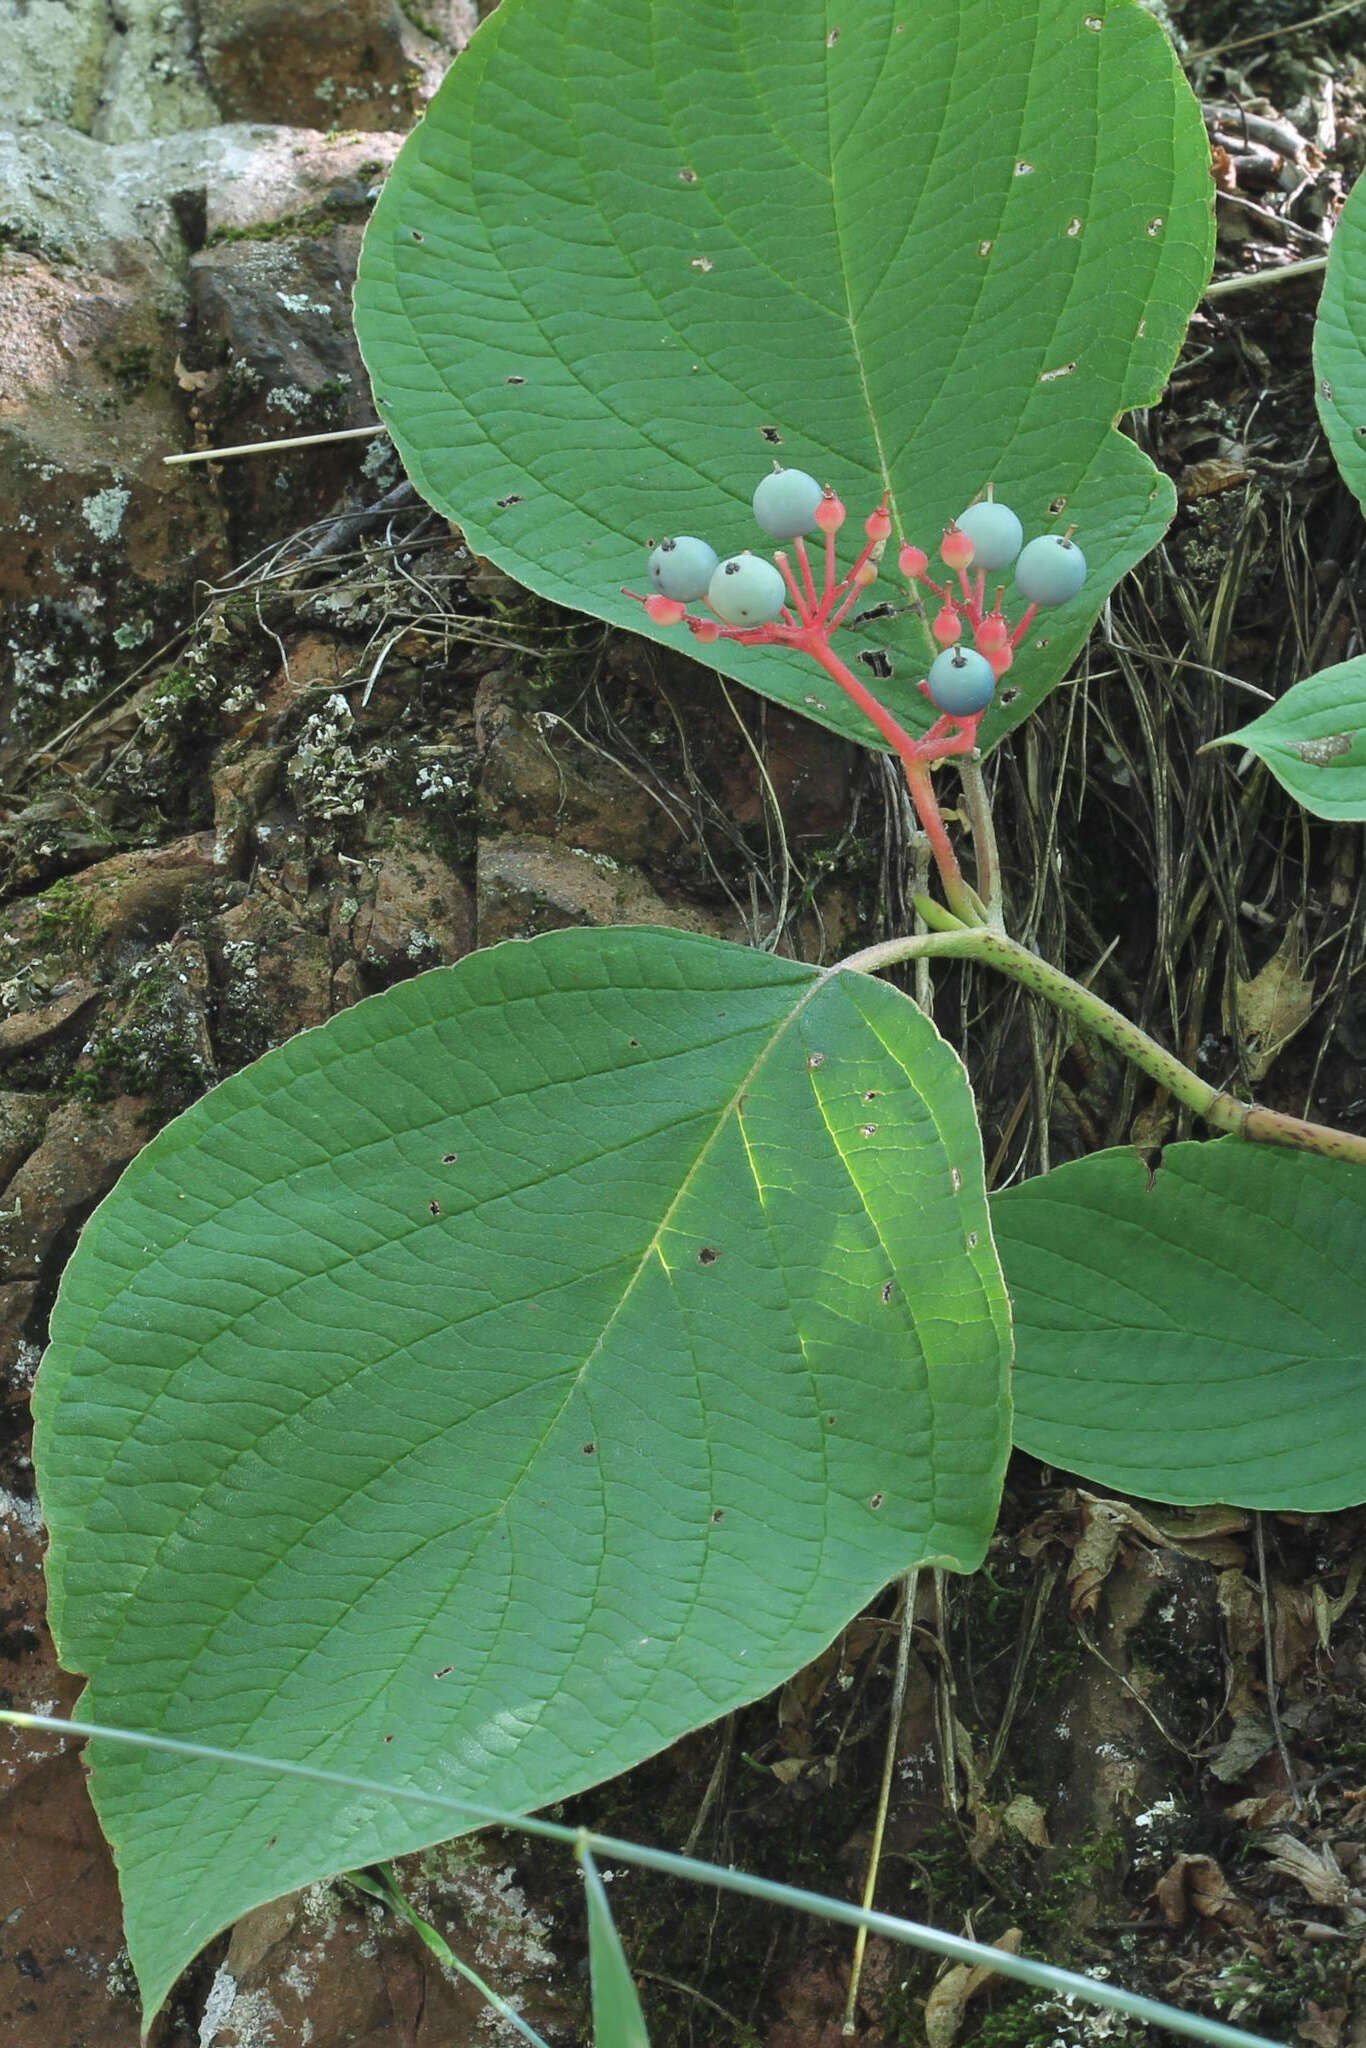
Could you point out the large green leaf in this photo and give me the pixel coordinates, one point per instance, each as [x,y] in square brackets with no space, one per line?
[535,1362]
[1200,1338]
[1340,343]
[636,250]
[1313,739]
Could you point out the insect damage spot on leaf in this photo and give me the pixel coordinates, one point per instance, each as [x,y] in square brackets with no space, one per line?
[434,1208]
[449,1158]
[1056,506]
[878,661]
[1024,170]
[718,1514]
[1052,376]
[832,39]
[1319,753]
[815,1059]
[876,1500]
[888,1290]
[1074,226]
[687,176]
[444,1672]
[708,1255]
[870,1094]
[516,380]
[702,263]
[1155,227]
[867,1130]
[588,1449]
[771,434]
[513,498]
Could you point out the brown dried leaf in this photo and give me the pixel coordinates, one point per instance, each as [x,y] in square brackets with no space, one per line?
[1276,1004]
[947,2004]
[1196,1884]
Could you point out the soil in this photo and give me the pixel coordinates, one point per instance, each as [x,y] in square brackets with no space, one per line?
[334,748]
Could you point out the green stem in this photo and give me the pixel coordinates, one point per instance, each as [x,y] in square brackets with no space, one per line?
[1217,1108]
[988,859]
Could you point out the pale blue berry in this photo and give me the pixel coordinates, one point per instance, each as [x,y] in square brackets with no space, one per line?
[785,503]
[1051,569]
[996,534]
[745,590]
[962,682]
[682,568]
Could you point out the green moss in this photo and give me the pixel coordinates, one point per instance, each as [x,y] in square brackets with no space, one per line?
[66,919]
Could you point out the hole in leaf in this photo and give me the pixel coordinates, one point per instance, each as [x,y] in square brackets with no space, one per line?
[771,434]
[830,1421]
[956,1180]
[876,1500]
[588,1449]
[888,1290]
[449,1158]
[1057,505]
[1024,170]
[1074,226]
[434,1208]
[417,234]
[687,176]
[870,1094]
[984,248]
[832,39]
[708,1255]
[633,1041]
[972,1240]
[513,498]
[877,661]
[815,1059]
[444,1672]
[516,380]
[718,1514]
[1008,696]
[868,1130]
[702,263]
[816,703]
[1155,227]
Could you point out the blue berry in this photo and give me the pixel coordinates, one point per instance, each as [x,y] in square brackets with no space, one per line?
[785,503]
[745,590]
[962,682]
[996,534]
[682,568]
[1051,569]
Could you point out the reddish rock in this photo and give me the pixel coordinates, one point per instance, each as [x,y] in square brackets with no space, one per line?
[338,64]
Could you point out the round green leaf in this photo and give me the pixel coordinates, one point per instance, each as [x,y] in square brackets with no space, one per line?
[1340,343]
[636,251]
[1199,1337]
[1313,739]
[535,1362]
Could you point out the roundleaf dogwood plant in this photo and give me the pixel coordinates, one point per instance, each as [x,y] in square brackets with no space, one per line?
[552,1353]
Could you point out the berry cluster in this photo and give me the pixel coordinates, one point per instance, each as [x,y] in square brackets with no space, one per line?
[759,602]
[762,603]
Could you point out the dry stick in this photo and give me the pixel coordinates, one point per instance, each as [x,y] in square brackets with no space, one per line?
[1217,1108]
[1269,1657]
[1311,21]
[269,447]
[884,1797]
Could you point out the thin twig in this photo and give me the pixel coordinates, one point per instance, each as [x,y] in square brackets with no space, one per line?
[884,1800]
[1273,1711]
[1282,273]
[270,447]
